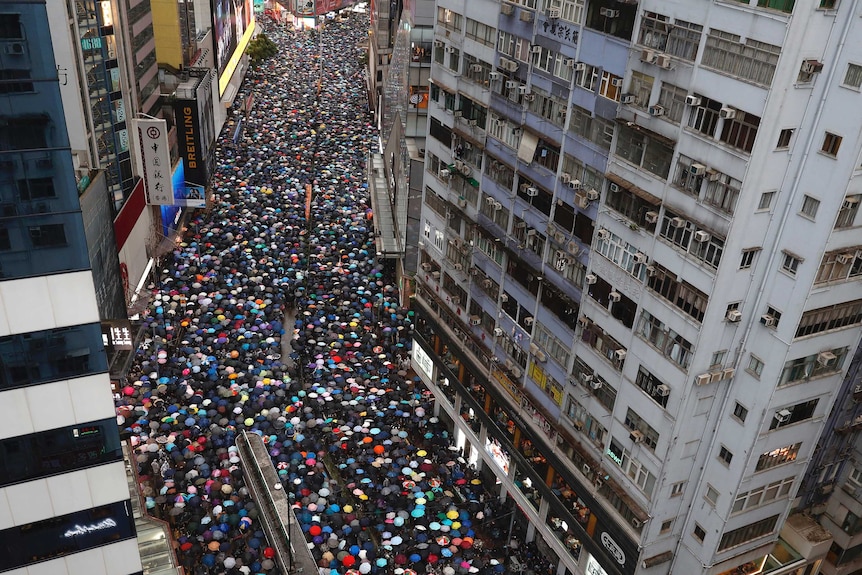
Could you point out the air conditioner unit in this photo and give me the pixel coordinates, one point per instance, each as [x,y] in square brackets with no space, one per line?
[628,98]
[529,320]
[554,13]
[508,65]
[581,201]
[456,300]
[713,175]
[526,16]
[498,332]
[445,173]
[459,113]
[702,236]
[590,279]
[529,97]
[569,62]
[603,234]
[531,233]
[516,372]
[609,12]
[613,188]
[811,67]
[636,523]
[487,283]
[475,67]
[573,248]
[727,113]
[767,320]
[620,354]
[523,89]
[507,9]
[783,416]
[615,296]
[826,357]
[651,217]
[617,82]
[14,48]
[580,67]
[587,378]
[692,100]
[636,436]
[677,223]
[475,320]
[850,202]
[656,111]
[640,258]
[703,379]
[426,267]
[496,206]
[504,298]
[462,203]
[662,390]
[532,192]
[493,76]
[585,469]
[459,267]
[651,271]
[728,373]
[565,177]
[845,258]
[593,195]
[559,237]
[648,56]
[448,49]
[512,84]
[435,275]
[536,50]
[697,169]
[439,43]
[595,384]
[575,185]
[541,357]
[734,315]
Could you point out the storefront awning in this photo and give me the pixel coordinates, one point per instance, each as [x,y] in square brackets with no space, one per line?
[385,240]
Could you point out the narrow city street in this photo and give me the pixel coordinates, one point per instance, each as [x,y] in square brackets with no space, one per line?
[293,331]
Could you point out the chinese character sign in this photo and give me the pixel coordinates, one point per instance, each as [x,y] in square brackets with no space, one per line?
[154,160]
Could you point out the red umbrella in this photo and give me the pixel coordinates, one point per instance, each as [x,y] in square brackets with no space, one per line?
[269,553]
[401,559]
[348,561]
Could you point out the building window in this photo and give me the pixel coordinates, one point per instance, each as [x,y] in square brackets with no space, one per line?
[828,4]
[692,239]
[677,489]
[725,455]
[783,5]
[790,263]
[798,412]
[640,476]
[589,78]
[750,60]
[740,412]
[829,318]
[645,149]
[722,192]
[848,211]
[756,529]
[454,59]
[47,235]
[641,87]
[717,359]
[810,206]
[480,32]
[762,495]
[747,259]
[680,294]
[815,365]
[741,131]
[774,314]
[669,343]
[784,137]
[699,533]
[704,118]
[570,10]
[10,27]
[853,76]
[653,386]
[831,144]
[621,253]
[776,457]
[636,423]
[711,495]
[15,82]
[842,265]
[765,202]
[755,366]
[855,477]
[666,526]
[672,99]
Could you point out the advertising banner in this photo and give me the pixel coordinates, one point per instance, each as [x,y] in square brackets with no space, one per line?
[154,159]
[187,194]
[189,141]
[233,23]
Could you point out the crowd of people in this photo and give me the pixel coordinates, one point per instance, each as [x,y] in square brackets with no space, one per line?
[270,322]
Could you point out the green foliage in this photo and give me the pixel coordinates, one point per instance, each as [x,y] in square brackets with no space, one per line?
[260,48]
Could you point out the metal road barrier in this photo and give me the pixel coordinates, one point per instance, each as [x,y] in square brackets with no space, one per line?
[276,516]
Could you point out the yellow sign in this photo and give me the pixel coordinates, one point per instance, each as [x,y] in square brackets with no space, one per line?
[224,79]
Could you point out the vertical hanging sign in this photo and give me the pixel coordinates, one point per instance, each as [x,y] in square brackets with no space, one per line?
[154,159]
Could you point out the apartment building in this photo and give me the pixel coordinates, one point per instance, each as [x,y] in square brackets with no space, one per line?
[64,500]
[637,272]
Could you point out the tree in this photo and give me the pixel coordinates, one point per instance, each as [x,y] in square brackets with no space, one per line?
[260,48]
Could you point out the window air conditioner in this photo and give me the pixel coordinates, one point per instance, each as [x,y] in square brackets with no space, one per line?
[426,267]
[590,279]
[692,100]
[565,177]
[636,436]
[640,258]
[620,354]
[532,192]
[603,234]
[727,113]
[575,185]
[475,320]
[783,416]
[627,99]
[569,62]
[595,384]
[526,16]
[811,67]
[613,188]
[592,195]
[507,9]
[767,320]
[656,111]
[697,169]
[651,217]
[701,236]
[826,357]
[734,315]
[677,223]
[498,332]
[580,67]
[615,296]
[512,84]
[648,56]
[609,12]
[662,390]
[493,76]
[554,13]
[664,61]
[536,50]
[617,82]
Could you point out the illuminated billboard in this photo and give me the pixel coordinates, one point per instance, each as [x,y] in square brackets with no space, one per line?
[233,22]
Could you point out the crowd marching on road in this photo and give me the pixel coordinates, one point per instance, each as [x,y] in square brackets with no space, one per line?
[377,485]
